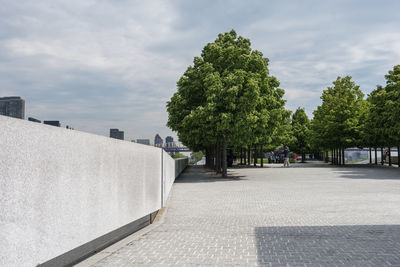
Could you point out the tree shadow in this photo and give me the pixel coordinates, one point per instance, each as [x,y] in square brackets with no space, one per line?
[199,174]
[368,173]
[348,245]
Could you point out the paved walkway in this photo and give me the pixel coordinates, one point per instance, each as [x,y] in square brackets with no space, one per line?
[319,216]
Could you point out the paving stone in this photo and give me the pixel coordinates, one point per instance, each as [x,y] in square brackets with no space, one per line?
[319,216]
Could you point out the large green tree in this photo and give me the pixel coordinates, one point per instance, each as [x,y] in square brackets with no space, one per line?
[226,98]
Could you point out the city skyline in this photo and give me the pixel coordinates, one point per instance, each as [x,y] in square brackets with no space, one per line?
[102,65]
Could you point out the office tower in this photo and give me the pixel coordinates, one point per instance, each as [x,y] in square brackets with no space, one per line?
[34,120]
[158,141]
[117,134]
[169,141]
[143,141]
[53,123]
[12,106]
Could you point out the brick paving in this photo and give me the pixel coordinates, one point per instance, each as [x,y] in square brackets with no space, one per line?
[319,216]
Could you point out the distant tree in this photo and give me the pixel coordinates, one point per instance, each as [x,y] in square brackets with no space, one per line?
[301,132]
[336,122]
[382,127]
[392,105]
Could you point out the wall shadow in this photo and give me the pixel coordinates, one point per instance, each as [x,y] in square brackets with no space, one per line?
[350,245]
[199,174]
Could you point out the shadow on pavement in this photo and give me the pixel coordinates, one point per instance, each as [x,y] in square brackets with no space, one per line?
[199,174]
[369,173]
[349,245]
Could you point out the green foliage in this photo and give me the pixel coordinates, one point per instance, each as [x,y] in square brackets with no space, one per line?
[382,125]
[337,122]
[197,156]
[178,156]
[227,97]
[300,128]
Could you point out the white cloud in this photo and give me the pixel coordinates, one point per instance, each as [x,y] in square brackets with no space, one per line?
[99,63]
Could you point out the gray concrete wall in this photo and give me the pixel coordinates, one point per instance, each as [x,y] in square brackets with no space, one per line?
[61,189]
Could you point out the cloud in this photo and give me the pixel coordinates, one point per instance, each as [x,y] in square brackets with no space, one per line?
[101,64]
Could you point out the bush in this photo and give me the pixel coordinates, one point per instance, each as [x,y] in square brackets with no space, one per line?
[178,156]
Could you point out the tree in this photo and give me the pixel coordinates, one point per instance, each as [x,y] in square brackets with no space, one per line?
[226,98]
[392,105]
[300,127]
[382,127]
[336,122]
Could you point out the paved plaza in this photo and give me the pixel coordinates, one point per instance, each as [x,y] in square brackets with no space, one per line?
[307,215]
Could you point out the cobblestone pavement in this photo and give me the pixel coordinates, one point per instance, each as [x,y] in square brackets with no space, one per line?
[319,216]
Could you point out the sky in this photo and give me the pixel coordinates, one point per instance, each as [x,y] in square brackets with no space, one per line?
[96,65]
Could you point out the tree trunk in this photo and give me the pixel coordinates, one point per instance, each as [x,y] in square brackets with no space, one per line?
[255,156]
[248,156]
[224,158]
[208,158]
[303,155]
[335,156]
[343,156]
[340,155]
[381,155]
[376,156]
[218,158]
[390,157]
[262,156]
[398,155]
[370,155]
[332,156]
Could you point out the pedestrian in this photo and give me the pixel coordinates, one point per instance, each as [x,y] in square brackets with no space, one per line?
[286,153]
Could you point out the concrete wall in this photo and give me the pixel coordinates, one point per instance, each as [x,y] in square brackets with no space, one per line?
[61,188]
[171,169]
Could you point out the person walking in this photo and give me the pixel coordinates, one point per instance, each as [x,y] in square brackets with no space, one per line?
[286,153]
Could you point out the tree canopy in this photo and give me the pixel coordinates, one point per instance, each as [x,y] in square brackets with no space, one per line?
[301,132]
[337,121]
[227,98]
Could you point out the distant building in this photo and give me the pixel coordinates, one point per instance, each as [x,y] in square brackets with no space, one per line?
[12,106]
[53,123]
[117,134]
[158,141]
[169,141]
[143,141]
[34,120]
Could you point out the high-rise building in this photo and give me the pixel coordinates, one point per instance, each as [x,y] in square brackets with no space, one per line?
[53,123]
[12,106]
[158,141]
[117,134]
[169,139]
[143,141]
[34,120]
